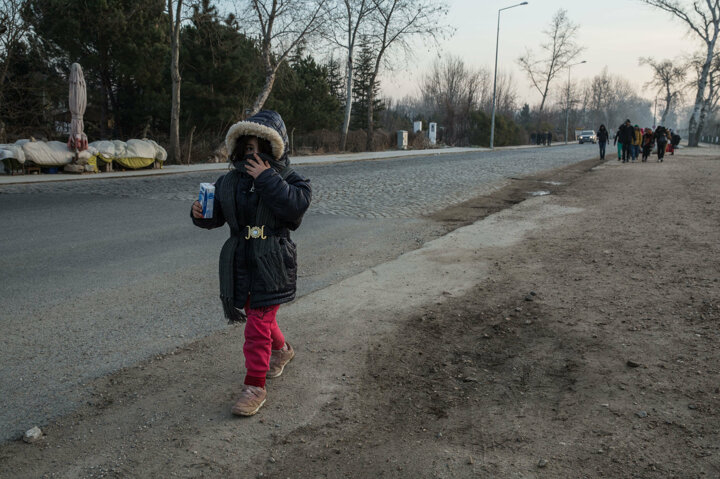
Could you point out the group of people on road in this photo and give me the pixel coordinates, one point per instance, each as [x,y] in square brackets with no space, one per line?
[542,138]
[633,141]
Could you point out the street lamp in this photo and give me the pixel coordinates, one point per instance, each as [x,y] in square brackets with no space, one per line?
[567,109]
[497,42]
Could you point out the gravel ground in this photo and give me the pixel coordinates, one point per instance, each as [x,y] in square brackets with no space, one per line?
[570,335]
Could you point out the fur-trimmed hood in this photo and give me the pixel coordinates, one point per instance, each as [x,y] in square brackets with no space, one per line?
[265,124]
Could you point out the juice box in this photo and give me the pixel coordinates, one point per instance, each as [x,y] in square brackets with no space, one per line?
[207,199]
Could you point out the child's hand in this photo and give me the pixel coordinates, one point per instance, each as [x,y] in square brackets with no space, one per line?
[197,210]
[256,166]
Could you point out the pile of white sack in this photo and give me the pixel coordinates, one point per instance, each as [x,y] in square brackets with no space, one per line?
[130,154]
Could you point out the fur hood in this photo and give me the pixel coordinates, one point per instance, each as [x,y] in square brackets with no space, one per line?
[265,124]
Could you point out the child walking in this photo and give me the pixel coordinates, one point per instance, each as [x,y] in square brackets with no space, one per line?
[261,199]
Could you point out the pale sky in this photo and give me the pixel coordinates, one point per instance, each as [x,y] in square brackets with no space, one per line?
[615,33]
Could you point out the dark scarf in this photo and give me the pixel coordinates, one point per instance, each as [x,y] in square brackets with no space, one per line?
[267,253]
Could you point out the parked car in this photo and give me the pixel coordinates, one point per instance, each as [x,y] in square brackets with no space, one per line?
[587,136]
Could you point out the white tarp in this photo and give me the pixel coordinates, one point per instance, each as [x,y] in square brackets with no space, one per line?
[160,153]
[47,153]
[12,152]
[139,149]
[105,148]
[55,153]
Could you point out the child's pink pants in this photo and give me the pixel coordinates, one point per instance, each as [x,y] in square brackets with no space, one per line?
[262,335]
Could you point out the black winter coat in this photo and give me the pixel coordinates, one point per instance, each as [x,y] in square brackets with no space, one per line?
[661,135]
[288,199]
[626,134]
[602,136]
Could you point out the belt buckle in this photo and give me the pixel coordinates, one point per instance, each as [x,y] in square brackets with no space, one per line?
[256,232]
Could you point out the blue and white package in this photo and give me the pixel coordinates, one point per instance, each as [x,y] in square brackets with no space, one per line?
[207,198]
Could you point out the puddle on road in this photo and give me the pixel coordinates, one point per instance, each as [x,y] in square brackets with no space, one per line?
[539,193]
[553,183]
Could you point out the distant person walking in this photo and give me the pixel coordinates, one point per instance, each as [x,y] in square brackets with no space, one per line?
[674,140]
[627,133]
[661,139]
[636,142]
[648,140]
[670,146]
[603,136]
[616,141]
[549,138]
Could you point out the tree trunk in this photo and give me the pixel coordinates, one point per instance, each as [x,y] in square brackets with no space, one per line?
[114,106]
[103,111]
[693,132]
[3,74]
[348,102]
[701,122]
[265,92]
[542,102]
[175,153]
[547,87]
[693,140]
[189,148]
[668,100]
[370,143]
[175,111]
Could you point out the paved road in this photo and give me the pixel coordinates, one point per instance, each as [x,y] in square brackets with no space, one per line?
[98,275]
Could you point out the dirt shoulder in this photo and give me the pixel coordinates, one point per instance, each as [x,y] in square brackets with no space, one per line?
[570,335]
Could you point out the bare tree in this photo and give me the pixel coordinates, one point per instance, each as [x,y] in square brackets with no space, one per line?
[611,99]
[506,94]
[668,79]
[703,19]
[394,24]
[349,18]
[484,92]
[281,25]
[600,98]
[570,96]
[12,31]
[451,91]
[712,89]
[556,54]
[174,11]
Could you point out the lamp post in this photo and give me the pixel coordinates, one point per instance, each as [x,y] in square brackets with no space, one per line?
[567,109]
[497,44]
[655,119]
[655,112]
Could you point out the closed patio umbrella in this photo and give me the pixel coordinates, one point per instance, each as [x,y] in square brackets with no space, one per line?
[78,101]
